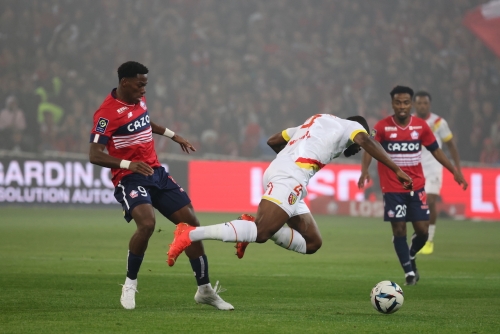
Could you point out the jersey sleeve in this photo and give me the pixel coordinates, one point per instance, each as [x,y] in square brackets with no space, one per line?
[103,127]
[353,129]
[378,132]
[288,133]
[428,138]
[444,131]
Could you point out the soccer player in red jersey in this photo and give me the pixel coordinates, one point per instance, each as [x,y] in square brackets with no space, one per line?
[122,126]
[402,136]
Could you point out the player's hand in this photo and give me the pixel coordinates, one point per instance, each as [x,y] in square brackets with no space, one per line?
[185,145]
[405,180]
[141,168]
[363,179]
[459,178]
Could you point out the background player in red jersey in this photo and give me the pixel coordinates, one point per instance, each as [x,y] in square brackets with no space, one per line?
[123,127]
[402,136]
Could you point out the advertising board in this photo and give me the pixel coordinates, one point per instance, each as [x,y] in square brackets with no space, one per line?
[231,186]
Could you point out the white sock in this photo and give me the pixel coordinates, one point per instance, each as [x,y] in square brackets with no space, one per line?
[205,287]
[432,231]
[290,239]
[129,281]
[233,231]
[411,273]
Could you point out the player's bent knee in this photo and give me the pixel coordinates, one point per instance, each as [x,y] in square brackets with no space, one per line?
[313,247]
[262,237]
[146,227]
[422,233]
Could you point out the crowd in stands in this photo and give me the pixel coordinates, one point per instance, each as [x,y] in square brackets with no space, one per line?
[227,74]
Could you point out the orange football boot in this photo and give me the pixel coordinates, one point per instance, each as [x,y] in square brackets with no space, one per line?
[180,243]
[242,246]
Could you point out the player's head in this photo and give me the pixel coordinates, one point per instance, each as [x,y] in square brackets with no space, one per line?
[355,148]
[133,78]
[361,120]
[422,101]
[401,102]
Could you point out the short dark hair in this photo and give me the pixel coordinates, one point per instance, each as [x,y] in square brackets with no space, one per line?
[130,69]
[422,93]
[401,90]
[361,120]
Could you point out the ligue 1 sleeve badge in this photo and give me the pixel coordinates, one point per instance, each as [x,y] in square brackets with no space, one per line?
[102,124]
[292,198]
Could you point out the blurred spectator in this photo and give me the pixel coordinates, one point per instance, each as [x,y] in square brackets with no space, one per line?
[12,125]
[490,153]
[495,131]
[209,141]
[218,62]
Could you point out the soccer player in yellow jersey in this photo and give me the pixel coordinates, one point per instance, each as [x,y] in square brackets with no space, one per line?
[433,170]
[282,215]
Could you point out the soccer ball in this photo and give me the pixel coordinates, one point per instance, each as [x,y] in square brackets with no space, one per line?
[387,297]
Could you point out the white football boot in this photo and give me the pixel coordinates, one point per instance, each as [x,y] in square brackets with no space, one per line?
[210,296]
[128,294]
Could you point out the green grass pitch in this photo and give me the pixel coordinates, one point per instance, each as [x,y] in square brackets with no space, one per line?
[60,272]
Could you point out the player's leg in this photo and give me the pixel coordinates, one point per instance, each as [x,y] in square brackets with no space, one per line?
[268,221]
[173,203]
[199,262]
[195,251]
[144,217]
[134,196]
[429,245]
[301,231]
[282,200]
[400,242]
[395,206]
[418,214]
[306,226]
[278,203]
[418,240]
[433,183]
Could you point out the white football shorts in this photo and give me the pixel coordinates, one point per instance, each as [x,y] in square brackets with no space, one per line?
[287,193]
[433,183]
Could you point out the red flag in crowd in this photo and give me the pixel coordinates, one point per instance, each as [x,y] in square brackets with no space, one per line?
[484,21]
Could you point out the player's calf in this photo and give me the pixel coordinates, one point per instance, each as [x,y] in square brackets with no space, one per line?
[289,238]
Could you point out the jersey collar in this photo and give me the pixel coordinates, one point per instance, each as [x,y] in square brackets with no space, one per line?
[399,126]
[113,95]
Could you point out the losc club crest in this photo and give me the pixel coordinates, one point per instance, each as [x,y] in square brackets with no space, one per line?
[292,198]
[423,197]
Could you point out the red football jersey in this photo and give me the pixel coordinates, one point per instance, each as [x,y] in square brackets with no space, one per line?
[404,146]
[126,131]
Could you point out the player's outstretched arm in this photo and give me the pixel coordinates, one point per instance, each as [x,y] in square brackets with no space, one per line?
[365,177]
[277,142]
[185,145]
[98,157]
[452,147]
[376,150]
[443,160]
